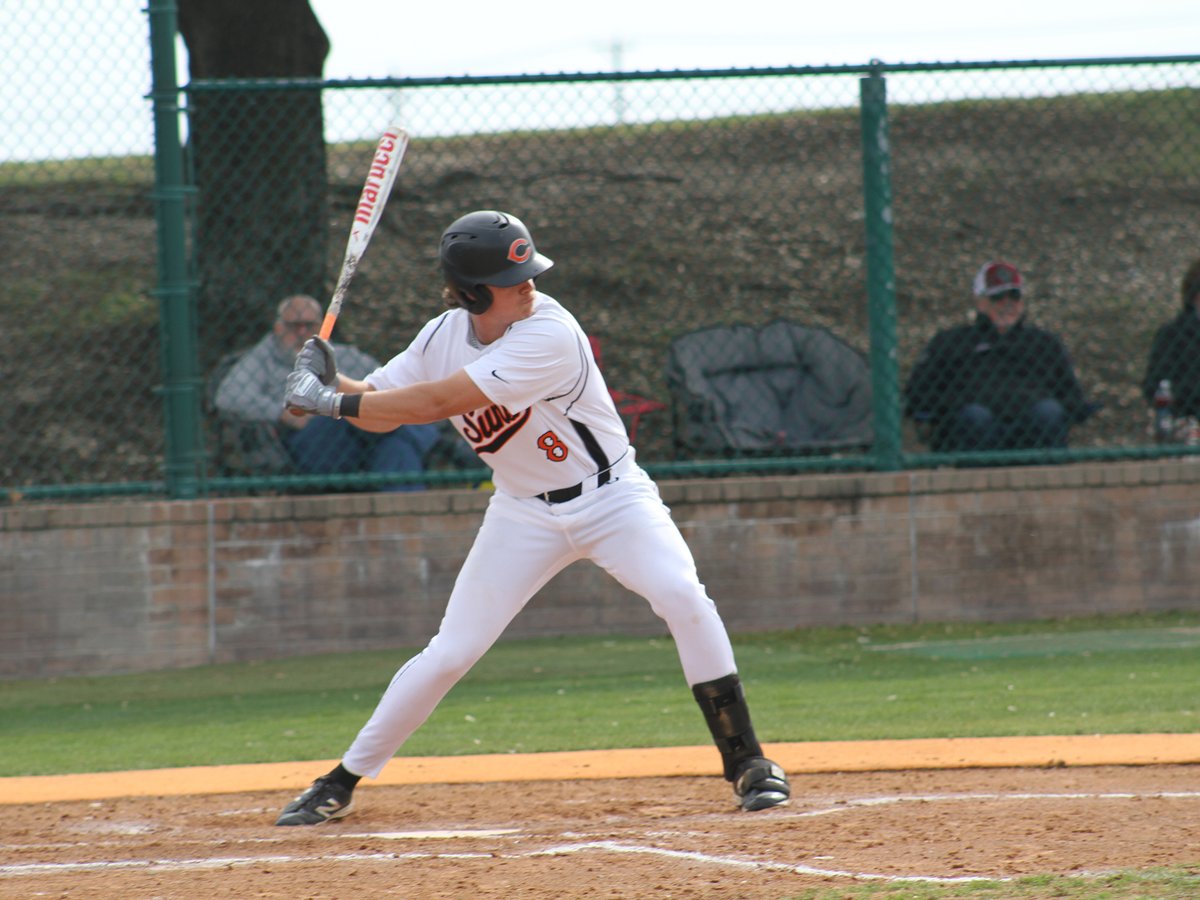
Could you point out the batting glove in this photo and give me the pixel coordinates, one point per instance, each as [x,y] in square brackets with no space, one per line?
[307,396]
[317,356]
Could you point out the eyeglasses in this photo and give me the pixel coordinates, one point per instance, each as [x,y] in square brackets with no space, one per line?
[300,324]
[1005,295]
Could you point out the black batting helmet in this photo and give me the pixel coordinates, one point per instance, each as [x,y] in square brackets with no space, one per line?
[487,247]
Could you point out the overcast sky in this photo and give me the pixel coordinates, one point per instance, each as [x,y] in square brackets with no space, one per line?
[74,75]
[484,37]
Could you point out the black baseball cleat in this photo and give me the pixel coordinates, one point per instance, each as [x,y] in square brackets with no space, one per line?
[324,800]
[760,784]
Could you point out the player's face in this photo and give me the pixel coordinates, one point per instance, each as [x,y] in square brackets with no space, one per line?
[516,301]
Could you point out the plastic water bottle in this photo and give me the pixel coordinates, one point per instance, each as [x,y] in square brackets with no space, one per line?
[1164,421]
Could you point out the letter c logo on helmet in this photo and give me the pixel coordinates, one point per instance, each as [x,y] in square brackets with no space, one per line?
[520,250]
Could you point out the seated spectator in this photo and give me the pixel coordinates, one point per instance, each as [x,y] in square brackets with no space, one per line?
[1175,354]
[253,390]
[998,383]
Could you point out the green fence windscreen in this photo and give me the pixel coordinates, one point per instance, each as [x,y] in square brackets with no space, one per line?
[778,266]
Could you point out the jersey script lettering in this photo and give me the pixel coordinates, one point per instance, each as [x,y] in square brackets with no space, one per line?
[490,429]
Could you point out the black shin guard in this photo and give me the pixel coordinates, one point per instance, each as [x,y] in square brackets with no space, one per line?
[758,783]
[728,718]
[344,777]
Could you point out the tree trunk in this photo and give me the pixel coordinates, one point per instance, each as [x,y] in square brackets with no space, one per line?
[258,162]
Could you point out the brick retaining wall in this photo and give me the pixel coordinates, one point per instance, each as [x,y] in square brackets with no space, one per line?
[128,586]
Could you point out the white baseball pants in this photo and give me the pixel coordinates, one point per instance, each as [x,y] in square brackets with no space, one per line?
[623,527]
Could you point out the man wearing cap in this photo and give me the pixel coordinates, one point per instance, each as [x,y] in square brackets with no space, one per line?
[998,383]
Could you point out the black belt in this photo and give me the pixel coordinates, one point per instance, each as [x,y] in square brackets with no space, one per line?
[562,495]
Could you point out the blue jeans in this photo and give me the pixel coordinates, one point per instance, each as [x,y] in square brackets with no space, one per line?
[334,446]
[975,427]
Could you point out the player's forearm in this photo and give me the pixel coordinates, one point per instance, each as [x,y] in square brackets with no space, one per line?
[413,405]
[382,410]
[417,404]
[352,385]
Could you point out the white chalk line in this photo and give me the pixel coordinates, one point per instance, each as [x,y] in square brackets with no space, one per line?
[758,865]
[862,802]
[429,835]
[619,847]
[175,865]
[202,842]
[227,862]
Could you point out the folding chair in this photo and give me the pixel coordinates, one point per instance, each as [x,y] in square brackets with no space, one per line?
[631,407]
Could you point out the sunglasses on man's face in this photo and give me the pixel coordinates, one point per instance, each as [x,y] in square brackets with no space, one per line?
[1006,295]
[301,325]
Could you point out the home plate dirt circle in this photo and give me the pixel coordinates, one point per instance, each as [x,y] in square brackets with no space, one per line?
[651,836]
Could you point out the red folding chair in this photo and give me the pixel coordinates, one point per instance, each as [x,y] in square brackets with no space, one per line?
[631,407]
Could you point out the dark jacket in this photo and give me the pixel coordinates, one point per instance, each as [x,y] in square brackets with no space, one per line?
[1006,373]
[1175,355]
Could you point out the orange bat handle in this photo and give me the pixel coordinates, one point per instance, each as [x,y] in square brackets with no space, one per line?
[327,326]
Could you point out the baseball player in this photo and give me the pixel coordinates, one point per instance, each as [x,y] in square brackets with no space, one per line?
[513,371]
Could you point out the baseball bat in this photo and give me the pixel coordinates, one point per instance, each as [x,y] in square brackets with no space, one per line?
[389,152]
[384,165]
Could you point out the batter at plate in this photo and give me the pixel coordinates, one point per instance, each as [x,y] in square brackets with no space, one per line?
[513,371]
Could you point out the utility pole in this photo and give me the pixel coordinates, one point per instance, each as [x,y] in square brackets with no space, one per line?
[618,49]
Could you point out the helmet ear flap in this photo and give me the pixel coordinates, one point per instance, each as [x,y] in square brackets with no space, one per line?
[475,299]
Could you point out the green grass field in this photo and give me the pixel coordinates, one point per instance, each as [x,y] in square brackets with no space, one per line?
[1102,675]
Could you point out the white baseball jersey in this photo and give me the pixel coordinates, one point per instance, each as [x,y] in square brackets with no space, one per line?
[551,424]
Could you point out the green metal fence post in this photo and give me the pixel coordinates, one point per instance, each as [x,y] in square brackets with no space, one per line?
[179,365]
[881,276]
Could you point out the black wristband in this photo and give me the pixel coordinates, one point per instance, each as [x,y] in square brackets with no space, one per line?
[350,403]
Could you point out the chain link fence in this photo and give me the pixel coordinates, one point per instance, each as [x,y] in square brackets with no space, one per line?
[1082,177]
[763,257]
[77,251]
